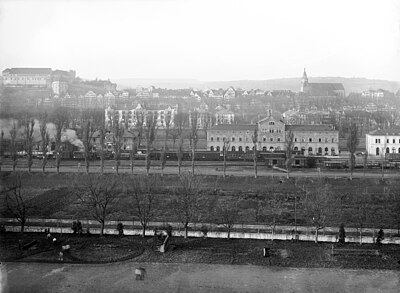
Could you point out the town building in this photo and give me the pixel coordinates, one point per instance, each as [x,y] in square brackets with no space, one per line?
[382,141]
[271,134]
[27,77]
[314,139]
[236,137]
[224,116]
[320,89]
[131,117]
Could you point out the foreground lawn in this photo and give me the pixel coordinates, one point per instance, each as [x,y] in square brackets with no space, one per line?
[95,249]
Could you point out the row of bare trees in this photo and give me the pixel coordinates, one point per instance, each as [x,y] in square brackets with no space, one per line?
[190,201]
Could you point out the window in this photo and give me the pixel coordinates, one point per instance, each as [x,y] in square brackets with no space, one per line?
[319,139]
[377,151]
[233,139]
[326,139]
[247,149]
[295,139]
[211,148]
[212,138]
[240,138]
[296,149]
[387,140]
[387,150]
[217,138]
[303,139]
[264,149]
[240,149]
[233,149]
[271,139]
[279,139]
[264,139]
[271,123]
[218,149]
[310,149]
[310,139]
[333,139]
[394,141]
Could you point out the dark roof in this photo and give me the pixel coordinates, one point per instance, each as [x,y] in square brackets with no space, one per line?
[238,127]
[313,127]
[28,70]
[385,132]
[324,89]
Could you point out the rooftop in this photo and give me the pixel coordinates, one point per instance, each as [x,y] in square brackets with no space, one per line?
[313,127]
[231,127]
[394,131]
[27,71]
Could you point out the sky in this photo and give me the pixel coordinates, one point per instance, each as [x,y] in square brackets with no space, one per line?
[205,40]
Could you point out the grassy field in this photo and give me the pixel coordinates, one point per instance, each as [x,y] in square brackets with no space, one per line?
[373,202]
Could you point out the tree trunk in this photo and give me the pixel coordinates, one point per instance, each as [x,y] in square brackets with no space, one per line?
[14,165]
[186,230]
[179,167]
[360,236]
[224,166]
[102,164]
[316,235]
[30,162]
[229,233]
[193,161]
[143,230]
[102,229]
[255,164]
[58,165]
[23,221]
[87,165]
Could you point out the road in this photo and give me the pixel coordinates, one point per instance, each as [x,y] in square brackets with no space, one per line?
[202,167]
[119,277]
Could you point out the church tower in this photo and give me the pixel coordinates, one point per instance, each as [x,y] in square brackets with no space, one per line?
[304,81]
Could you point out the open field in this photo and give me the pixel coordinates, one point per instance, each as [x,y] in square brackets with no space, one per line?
[53,196]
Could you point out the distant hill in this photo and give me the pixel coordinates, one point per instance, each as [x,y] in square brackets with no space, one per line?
[350,84]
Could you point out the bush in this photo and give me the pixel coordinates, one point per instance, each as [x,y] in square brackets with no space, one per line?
[120,229]
[381,236]
[77,227]
[342,234]
[204,229]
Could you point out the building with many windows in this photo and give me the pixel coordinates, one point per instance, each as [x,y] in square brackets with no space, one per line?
[383,141]
[314,139]
[27,77]
[237,137]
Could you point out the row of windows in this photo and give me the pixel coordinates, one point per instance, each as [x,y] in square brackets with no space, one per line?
[319,150]
[310,139]
[278,139]
[377,151]
[378,140]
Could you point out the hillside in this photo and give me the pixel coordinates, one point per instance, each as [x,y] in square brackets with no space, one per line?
[350,84]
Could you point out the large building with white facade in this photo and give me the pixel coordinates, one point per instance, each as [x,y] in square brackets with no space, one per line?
[383,141]
[27,77]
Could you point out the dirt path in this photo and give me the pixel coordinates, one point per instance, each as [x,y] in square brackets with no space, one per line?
[38,277]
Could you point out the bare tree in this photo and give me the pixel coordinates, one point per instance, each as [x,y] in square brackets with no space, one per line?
[254,139]
[142,190]
[193,135]
[289,145]
[150,130]
[227,214]
[29,143]
[60,121]
[45,136]
[225,148]
[118,132]
[317,206]
[137,132]
[274,209]
[16,201]
[186,201]
[180,123]
[1,148]
[97,194]
[352,143]
[362,210]
[13,144]
[163,155]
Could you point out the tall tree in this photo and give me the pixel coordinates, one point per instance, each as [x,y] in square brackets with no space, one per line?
[29,141]
[97,194]
[227,214]
[254,139]
[225,148]
[352,144]
[16,202]
[1,148]
[60,122]
[180,122]
[137,132]
[193,135]
[289,146]
[163,155]
[13,144]
[318,204]
[118,132]
[45,139]
[142,190]
[150,130]
[186,200]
